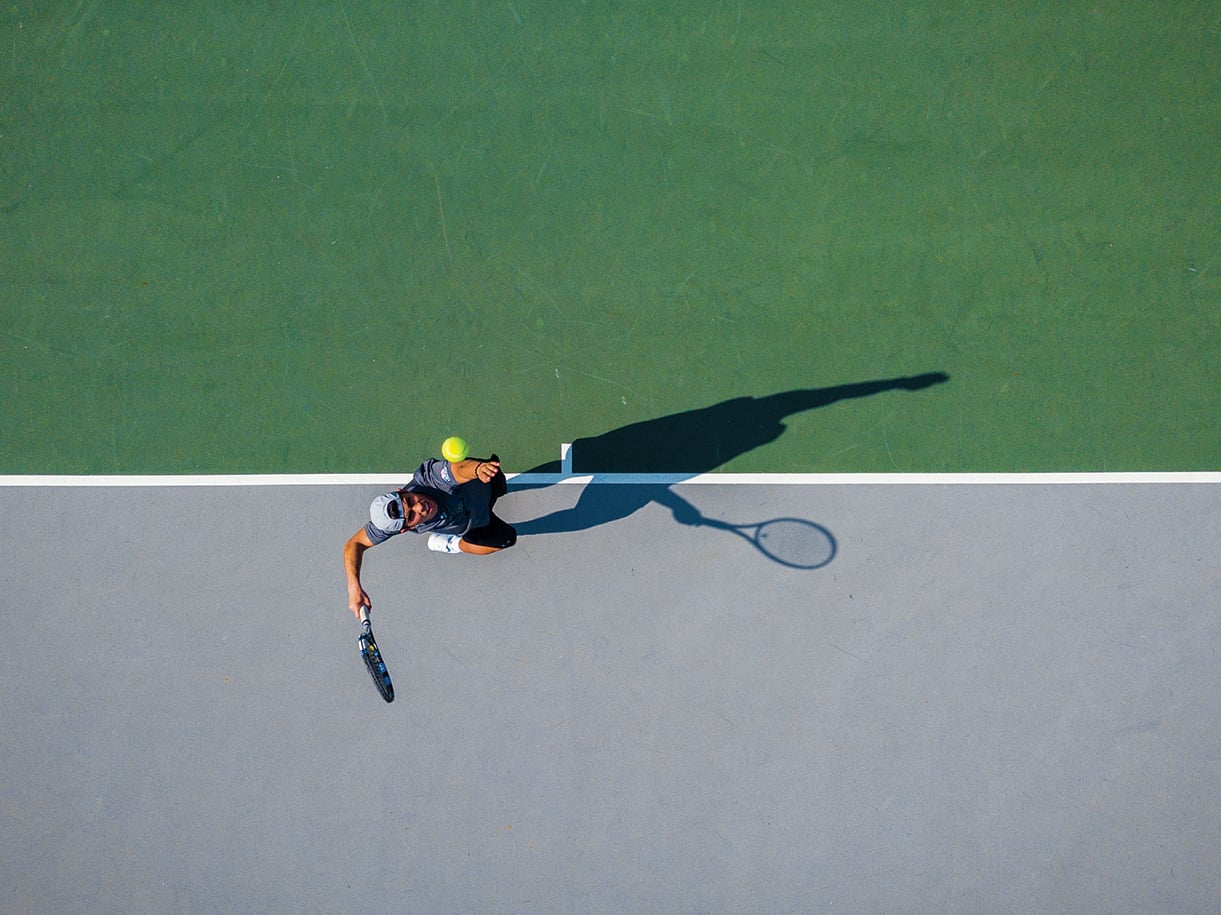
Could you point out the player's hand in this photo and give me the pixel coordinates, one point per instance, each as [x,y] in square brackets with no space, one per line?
[486,470]
[357,600]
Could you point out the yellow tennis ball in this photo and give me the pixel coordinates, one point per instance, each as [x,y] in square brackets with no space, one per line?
[455,449]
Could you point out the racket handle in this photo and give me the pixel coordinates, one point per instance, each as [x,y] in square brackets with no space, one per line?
[364,614]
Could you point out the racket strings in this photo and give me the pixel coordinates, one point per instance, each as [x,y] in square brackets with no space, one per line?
[376,666]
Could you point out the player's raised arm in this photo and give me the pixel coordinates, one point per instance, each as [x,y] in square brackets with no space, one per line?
[473,469]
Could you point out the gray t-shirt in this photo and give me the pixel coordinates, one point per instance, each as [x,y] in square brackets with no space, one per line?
[460,507]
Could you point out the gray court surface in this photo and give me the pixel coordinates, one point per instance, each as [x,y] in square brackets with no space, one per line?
[998,698]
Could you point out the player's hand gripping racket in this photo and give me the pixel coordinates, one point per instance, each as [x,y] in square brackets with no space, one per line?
[373,657]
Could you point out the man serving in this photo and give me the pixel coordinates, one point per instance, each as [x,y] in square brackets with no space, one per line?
[451,501]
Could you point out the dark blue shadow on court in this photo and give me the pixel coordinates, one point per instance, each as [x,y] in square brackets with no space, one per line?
[793,542]
[696,442]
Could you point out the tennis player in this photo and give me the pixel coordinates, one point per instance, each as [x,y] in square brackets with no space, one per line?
[451,501]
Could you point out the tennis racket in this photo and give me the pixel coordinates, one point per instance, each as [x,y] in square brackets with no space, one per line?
[793,542]
[373,657]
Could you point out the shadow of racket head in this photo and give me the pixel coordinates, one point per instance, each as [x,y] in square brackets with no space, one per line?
[792,542]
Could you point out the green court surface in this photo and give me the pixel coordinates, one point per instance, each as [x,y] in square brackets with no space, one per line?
[320,237]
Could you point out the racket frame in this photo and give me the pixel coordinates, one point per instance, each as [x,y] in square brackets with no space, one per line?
[372,656]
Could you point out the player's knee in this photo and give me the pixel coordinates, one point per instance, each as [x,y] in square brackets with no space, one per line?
[491,538]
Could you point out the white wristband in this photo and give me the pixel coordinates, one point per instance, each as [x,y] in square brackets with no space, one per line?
[444,543]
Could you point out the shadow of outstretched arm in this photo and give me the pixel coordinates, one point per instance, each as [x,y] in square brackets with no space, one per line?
[699,441]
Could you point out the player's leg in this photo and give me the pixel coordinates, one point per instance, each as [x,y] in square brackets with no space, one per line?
[493,536]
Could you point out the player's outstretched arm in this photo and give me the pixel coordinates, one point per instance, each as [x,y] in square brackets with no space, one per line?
[353,553]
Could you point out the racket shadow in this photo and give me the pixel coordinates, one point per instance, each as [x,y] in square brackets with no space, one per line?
[796,543]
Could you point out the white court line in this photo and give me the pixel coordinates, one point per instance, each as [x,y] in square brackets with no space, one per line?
[391,480]
[568,477]
[639,479]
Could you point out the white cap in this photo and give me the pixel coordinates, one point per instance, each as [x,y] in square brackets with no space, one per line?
[386,512]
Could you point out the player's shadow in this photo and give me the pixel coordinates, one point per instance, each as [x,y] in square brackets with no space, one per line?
[603,504]
[686,444]
[793,542]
